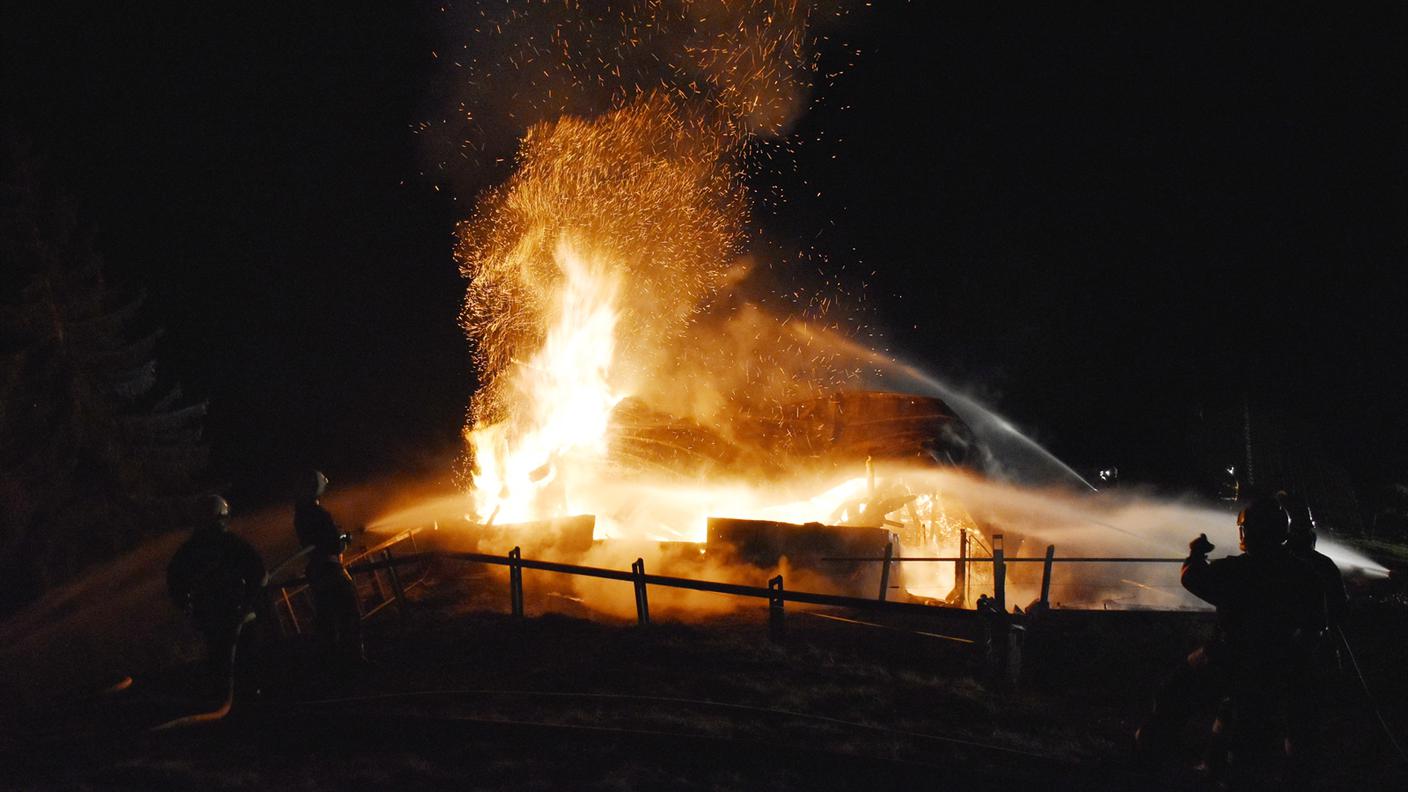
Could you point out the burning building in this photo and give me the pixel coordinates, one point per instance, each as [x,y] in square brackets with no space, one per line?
[634,382]
[828,437]
[628,369]
[628,366]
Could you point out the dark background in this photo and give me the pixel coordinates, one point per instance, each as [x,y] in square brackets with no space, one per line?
[1108,220]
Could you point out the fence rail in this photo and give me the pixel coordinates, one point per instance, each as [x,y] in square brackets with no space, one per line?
[380,558]
[293,595]
[717,587]
[989,627]
[1015,559]
[371,563]
[999,561]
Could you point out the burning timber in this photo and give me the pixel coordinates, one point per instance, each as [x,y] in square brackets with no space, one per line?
[836,475]
[764,544]
[825,434]
[837,435]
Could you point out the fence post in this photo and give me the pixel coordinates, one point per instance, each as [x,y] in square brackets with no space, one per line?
[376,584]
[885,570]
[515,583]
[288,604]
[999,574]
[960,571]
[1046,577]
[396,590]
[642,603]
[424,565]
[1012,663]
[777,628]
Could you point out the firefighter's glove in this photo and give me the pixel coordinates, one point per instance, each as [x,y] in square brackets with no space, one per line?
[1200,547]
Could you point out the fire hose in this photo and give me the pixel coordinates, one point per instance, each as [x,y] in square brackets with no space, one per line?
[224,708]
[1369,696]
[282,564]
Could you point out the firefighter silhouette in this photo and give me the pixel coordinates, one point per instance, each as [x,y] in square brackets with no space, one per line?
[217,578]
[337,620]
[1269,613]
[1300,543]
[1318,678]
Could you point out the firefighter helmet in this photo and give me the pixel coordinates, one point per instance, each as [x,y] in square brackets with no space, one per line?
[1302,521]
[1263,524]
[317,485]
[215,508]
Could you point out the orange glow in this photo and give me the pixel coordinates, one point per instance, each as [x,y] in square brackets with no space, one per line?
[630,367]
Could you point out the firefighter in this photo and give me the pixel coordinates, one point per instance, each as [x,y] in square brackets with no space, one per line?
[1269,611]
[1318,679]
[1301,545]
[217,578]
[337,618]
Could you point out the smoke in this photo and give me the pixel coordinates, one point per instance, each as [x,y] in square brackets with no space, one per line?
[1105,524]
[1007,452]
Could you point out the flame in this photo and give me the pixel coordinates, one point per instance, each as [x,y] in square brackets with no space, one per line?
[606,269]
[561,397]
[605,274]
[584,271]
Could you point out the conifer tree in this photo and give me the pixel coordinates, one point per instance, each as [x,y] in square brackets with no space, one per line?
[97,450]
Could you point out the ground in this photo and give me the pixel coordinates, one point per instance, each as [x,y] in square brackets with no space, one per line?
[460,695]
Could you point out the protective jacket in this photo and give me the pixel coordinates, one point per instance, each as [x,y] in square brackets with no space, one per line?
[1331,584]
[1270,608]
[216,574]
[315,527]
[334,595]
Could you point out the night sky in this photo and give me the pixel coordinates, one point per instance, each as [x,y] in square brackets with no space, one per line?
[1104,219]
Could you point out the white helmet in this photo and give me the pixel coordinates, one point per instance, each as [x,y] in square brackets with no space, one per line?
[318,485]
[215,507]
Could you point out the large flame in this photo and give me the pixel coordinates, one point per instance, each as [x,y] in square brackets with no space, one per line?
[602,272]
[585,271]
[604,279]
[560,399]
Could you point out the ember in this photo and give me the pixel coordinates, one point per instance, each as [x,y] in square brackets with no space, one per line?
[612,385]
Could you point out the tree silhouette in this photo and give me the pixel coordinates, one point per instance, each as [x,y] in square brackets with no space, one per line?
[96,450]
